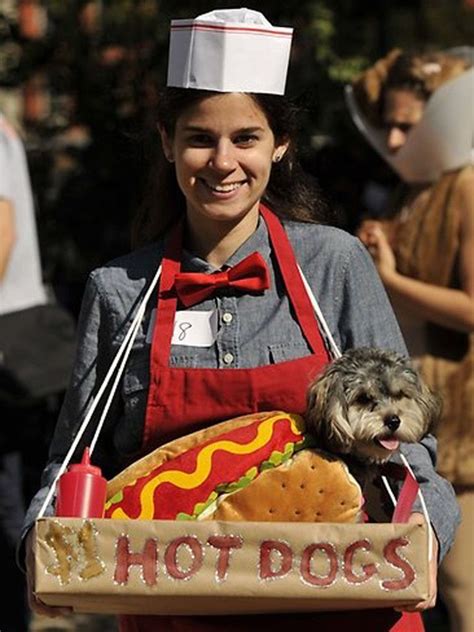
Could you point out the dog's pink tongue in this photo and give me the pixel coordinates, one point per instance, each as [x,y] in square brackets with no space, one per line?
[389,444]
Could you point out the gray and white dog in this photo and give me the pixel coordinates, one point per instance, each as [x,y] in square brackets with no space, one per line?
[367,402]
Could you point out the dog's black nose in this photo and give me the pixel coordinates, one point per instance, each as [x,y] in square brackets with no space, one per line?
[392,422]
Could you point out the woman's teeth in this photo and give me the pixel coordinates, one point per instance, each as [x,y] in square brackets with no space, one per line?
[224,188]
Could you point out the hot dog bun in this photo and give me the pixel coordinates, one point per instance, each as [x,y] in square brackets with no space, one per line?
[312,487]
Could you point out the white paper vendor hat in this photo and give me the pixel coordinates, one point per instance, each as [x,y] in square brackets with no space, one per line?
[442,141]
[229,50]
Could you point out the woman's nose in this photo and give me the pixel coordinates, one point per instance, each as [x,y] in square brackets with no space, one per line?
[223,156]
[395,139]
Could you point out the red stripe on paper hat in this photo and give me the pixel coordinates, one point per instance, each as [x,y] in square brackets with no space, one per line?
[190,25]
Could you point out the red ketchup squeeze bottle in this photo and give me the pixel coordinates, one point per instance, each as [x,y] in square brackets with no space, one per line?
[81,491]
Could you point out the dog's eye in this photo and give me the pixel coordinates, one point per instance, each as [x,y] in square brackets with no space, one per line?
[363,399]
[411,376]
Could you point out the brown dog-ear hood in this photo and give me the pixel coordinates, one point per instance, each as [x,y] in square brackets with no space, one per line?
[368,86]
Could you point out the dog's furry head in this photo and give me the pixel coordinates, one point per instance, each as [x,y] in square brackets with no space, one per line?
[368,401]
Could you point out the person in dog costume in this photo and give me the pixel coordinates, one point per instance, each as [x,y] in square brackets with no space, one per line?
[232,320]
[424,252]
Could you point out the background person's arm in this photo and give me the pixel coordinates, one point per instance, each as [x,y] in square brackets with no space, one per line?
[7,234]
[448,307]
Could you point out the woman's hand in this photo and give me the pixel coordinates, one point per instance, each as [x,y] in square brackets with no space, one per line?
[36,604]
[372,234]
[418,518]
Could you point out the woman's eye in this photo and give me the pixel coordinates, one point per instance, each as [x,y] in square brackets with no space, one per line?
[200,140]
[245,139]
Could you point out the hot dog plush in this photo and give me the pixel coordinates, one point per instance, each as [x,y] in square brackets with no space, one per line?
[261,467]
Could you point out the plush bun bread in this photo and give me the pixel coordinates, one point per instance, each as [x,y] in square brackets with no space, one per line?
[312,487]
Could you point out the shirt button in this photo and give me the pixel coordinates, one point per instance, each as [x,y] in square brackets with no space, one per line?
[227,317]
[228,358]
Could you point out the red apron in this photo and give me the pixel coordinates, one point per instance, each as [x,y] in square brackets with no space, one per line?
[182,400]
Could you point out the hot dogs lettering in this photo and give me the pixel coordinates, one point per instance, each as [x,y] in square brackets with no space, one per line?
[269,566]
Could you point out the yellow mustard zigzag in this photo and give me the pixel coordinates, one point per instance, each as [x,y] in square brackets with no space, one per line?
[203,466]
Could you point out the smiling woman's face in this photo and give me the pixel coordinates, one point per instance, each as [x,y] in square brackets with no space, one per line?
[403,109]
[223,148]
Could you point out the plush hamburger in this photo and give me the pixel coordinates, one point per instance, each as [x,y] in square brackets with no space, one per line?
[260,467]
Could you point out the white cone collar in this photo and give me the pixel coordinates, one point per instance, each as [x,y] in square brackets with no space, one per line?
[442,141]
[234,50]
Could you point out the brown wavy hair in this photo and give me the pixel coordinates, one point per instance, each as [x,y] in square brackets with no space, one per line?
[291,193]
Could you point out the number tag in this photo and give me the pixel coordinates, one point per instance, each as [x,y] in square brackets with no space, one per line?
[191,328]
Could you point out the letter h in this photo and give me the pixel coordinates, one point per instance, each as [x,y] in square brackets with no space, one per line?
[125,559]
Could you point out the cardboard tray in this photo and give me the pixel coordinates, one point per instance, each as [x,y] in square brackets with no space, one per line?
[181,567]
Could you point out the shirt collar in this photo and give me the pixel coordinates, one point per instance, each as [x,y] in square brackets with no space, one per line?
[257,242]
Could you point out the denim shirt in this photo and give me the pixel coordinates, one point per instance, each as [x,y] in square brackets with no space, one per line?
[252,331]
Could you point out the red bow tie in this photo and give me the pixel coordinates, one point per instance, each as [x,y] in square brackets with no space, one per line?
[250,275]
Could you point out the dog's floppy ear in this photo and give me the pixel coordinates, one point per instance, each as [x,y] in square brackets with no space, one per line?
[326,413]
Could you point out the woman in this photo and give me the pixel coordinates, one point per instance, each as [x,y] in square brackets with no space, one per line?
[424,254]
[232,155]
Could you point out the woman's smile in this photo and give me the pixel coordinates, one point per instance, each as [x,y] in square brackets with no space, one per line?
[225,189]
